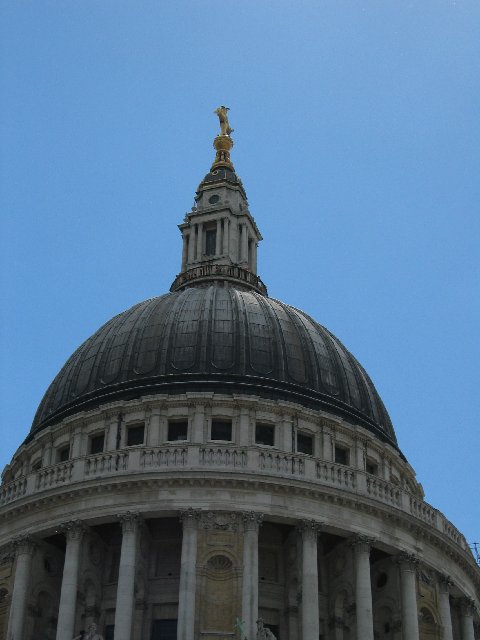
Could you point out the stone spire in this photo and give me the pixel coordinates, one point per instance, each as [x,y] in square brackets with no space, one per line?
[220,237]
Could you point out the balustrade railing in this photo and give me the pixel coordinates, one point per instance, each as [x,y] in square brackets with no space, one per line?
[255,460]
[223,457]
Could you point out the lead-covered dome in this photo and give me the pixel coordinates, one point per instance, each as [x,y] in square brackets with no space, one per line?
[221,339]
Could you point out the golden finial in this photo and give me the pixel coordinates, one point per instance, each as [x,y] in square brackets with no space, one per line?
[223,142]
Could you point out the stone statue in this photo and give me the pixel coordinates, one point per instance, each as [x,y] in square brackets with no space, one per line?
[225,129]
[91,633]
[263,633]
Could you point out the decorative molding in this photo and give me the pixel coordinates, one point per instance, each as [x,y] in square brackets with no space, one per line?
[407,561]
[467,606]
[73,529]
[444,583]
[309,528]
[220,520]
[361,543]
[252,520]
[24,545]
[129,521]
[190,518]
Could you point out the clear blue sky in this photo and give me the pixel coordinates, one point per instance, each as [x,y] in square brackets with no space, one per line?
[357,137]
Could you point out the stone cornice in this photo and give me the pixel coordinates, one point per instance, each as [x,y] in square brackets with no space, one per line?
[211,479]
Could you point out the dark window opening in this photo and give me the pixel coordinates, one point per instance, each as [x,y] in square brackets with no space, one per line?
[164,630]
[265,434]
[382,580]
[342,455]
[210,242]
[97,443]
[177,430]
[214,199]
[109,629]
[64,454]
[37,465]
[304,443]
[135,435]
[372,467]
[221,430]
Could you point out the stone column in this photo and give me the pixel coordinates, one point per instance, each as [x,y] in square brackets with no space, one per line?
[310,612]
[191,246]
[73,531]
[218,238]
[467,606]
[200,241]
[408,566]
[126,576]
[184,251]
[188,575]
[24,547]
[198,423]
[363,587]
[244,244]
[225,235]
[251,524]
[444,585]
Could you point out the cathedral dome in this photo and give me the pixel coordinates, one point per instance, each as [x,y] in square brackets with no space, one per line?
[222,339]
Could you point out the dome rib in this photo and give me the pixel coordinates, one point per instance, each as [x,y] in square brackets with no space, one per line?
[221,339]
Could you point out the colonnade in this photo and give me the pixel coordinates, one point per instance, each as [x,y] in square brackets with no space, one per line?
[309,533]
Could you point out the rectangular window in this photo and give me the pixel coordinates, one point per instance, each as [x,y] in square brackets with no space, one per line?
[63,454]
[304,443]
[265,434]
[342,455]
[210,242]
[109,630]
[177,430]
[37,465]
[97,443]
[135,435]
[221,430]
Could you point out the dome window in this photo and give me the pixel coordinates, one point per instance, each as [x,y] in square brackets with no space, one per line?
[135,435]
[304,443]
[37,465]
[371,467]
[63,454]
[342,455]
[221,430]
[97,442]
[265,434]
[177,430]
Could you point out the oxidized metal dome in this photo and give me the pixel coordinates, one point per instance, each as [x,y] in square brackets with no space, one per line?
[221,339]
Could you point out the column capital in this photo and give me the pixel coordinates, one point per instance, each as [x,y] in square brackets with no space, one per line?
[252,520]
[23,545]
[467,606]
[190,518]
[444,583]
[73,529]
[361,543]
[407,561]
[129,521]
[309,528]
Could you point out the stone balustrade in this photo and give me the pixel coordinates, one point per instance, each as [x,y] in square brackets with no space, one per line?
[245,460]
